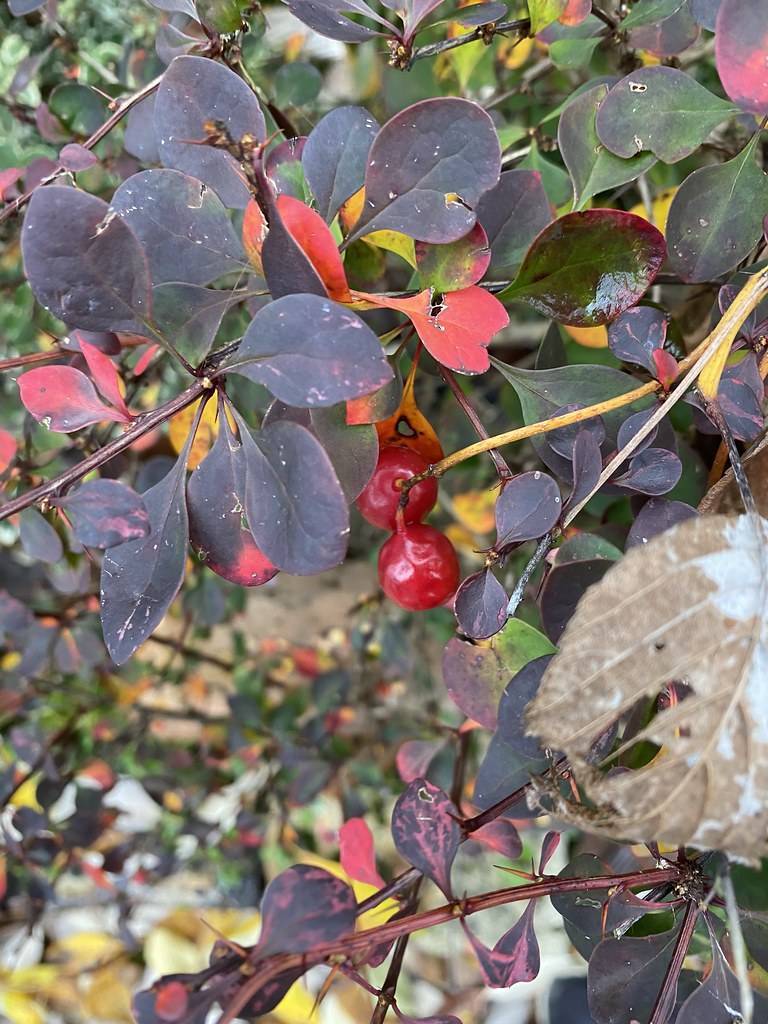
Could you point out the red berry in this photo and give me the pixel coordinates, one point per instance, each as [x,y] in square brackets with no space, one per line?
[380,499]
[418,567]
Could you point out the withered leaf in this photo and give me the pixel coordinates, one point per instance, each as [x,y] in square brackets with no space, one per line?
[691,606]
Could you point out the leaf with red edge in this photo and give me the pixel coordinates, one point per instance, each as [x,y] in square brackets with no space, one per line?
[7,449]
[426,832]
[456,329]
[635,335]
[105,513]
[666,368]
[310,232]
[499,835]
[514,958]
[414,757]
[105,375]
[586,268]
[76,158]
[575,12]
[63,399]
[173,1000]
[427,168]
[549,845]
[357,853]
[741,52]
[455,265]
[216,503]
[286,267]
[255,230]
[303,907]
[8,179]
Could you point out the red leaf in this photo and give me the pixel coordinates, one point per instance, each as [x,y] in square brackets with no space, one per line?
[309,231]
[575,12]
[499,835]
[7,449]
[105,375]
[741,52]
[414,758]
[63,399]
[549,845]
[145,359]
[254,232]
[457,330]
[171,1001]
[357,854]
[667,369]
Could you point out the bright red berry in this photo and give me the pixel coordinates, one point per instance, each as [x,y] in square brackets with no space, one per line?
[418,567]
[380,499]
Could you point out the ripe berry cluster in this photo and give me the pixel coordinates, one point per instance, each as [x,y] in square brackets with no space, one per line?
[418,567]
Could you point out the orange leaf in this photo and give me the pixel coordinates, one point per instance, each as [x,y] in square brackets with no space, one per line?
[409,427]
[254,232]
[309,231]
[457,329]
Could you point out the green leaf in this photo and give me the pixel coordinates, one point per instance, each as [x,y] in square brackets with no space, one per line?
[586,268]
[592,167]
[648,11]
[556,182]
[544,12]
[716,217]
[297,83]
[572,53]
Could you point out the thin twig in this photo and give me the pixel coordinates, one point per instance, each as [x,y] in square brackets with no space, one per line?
[483,32]
[739,949]
[542,549]
[502,467]
[666,997]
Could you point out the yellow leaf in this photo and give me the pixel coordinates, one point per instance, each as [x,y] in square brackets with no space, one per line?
[26,794]
[85,950]
[514,55]
[167,952]
[296,1006]
[180,425]
[475,510]
[659,209]
[9,661]
[589,337]
[393,241]
[350,211]
[362,890]
[20,1008]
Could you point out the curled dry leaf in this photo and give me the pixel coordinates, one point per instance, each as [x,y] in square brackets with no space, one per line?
[690,606]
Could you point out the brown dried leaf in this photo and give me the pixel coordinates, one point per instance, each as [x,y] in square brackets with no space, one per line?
[724,495]
[690,606]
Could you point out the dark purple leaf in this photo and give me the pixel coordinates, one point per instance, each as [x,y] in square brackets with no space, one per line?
[654,471]
[549,845]
[562,590]
[740,397]
[718,999]
[705,12]
[76,158]
[266,999]
[662,110]
[499,835]
[140,579]
[667,37]
[514,958]
[104,341]
[716,217]
[483,14]
[413,757]
[427,168]
[353,449]
[564,439]
[294,503]
[755,929]
[194,91]
[21,7]
[475,676]
[328,17]
[587,463]
[140,140]
[310,351]
[741,43]
[38,538]
[512,756]
[632,424]
[15,618]
[172,41]
[513,213]
[190,316]
[182,224]
[528,507]
[426,832]
[625,977]
[415,12]
[287,268]
[217,526]
[443,1018]
[105,513]
[83,263]
[176,6]
[636,334]
[656,516]
[480,605]
[586,268]
[304,906]
[592,167]
[173,1000]
[335,156]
